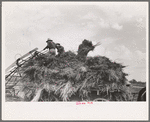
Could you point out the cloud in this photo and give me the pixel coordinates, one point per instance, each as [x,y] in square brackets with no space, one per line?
[141,22]
[139,59]
[140,54]
[136,58]
[124,52]
[90,16]
[124,11]
[119,52]
[107,41]
[90,25]
[117,26]
[103,23]
[101,50]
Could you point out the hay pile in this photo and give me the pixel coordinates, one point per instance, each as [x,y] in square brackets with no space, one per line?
[57,78]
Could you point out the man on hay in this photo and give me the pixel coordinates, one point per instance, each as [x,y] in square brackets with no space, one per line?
[85,48]
[51,46]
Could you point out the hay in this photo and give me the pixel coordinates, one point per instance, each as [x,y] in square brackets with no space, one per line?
[70,74]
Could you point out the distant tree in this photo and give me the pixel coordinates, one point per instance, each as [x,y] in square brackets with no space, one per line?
[133,81]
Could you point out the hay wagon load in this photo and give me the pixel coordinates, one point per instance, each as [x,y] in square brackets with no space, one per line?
[72,77]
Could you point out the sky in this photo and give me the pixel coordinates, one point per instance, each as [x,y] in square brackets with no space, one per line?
[121,27]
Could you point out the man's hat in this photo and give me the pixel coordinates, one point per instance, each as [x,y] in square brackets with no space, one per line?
[57,44]
[49,40]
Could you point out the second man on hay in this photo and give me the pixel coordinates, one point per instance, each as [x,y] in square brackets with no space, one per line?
[60,49]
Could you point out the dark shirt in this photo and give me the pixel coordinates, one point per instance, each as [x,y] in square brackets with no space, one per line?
[50,45]
[60,49]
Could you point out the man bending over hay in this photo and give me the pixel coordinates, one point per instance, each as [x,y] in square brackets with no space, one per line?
[51,46]
[85,48]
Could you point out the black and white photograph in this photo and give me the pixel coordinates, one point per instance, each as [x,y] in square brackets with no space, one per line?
[83,53]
